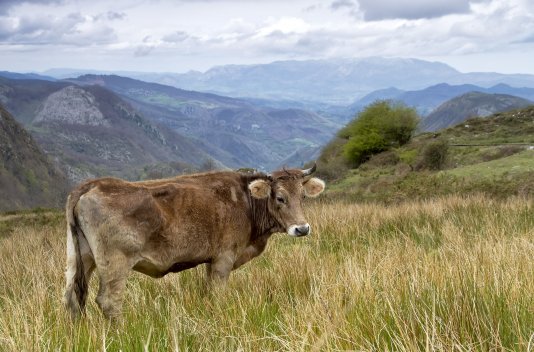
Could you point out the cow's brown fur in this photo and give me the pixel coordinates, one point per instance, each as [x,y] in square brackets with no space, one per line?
[161,226]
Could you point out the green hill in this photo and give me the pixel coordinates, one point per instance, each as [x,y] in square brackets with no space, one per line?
[492,155]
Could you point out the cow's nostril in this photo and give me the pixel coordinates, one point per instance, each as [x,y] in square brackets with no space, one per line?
[303,230]
[299,230]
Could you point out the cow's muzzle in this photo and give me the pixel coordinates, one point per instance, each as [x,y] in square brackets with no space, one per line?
[299,230]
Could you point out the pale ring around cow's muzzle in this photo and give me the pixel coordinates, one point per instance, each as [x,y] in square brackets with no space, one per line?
[299,230]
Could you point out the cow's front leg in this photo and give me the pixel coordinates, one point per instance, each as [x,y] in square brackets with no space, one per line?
[252,251]
[219,268]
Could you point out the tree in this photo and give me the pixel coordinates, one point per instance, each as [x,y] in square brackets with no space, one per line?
[379,127]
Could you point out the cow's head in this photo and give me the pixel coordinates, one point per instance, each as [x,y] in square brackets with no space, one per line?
[284,191]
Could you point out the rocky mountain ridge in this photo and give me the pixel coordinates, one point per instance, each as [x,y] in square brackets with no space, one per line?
[71,105]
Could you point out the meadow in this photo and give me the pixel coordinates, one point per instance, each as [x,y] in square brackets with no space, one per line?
[449,274]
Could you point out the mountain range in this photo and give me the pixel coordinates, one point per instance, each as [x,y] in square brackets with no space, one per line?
[331,81]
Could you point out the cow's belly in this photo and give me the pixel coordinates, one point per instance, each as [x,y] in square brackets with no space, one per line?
[149,268]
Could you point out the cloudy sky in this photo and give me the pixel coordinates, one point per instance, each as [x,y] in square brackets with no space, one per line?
[182,35]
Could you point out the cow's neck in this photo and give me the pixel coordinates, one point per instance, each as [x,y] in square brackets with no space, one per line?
[263,223]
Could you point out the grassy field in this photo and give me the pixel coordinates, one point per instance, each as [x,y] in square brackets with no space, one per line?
[450,274]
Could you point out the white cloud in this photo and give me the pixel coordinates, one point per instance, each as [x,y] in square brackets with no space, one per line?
[200,34]
[72,29]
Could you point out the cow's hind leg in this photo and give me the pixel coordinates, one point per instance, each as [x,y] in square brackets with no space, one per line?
[113,274]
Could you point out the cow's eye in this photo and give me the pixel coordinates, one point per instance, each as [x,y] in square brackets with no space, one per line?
[280,199]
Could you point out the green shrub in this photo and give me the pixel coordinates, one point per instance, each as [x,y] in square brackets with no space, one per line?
[379,127]
[360,147]
[434,155]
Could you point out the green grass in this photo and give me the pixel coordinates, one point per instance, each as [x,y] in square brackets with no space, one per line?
[449,274]
[40,217]
[515,164]
[509,127]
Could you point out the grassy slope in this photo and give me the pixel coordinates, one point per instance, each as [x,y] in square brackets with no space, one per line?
[499,162]
[512,165]
[447,274]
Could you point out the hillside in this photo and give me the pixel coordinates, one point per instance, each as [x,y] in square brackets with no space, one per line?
[27,177]
[492,155]
[93,132]
[471,104]
[234,131]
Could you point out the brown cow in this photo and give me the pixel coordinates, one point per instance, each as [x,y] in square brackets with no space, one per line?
[222,219]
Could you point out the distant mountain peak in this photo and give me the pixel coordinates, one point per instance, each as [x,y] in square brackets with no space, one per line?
[471,104]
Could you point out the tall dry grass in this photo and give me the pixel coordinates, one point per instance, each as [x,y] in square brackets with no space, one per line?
[450,274]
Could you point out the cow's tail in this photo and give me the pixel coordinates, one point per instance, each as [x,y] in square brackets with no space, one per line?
[76,288]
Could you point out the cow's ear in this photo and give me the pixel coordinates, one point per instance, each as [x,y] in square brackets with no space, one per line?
[313,187]
[259,189]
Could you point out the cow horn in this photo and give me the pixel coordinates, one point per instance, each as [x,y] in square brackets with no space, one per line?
[285,170]
[309,171]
